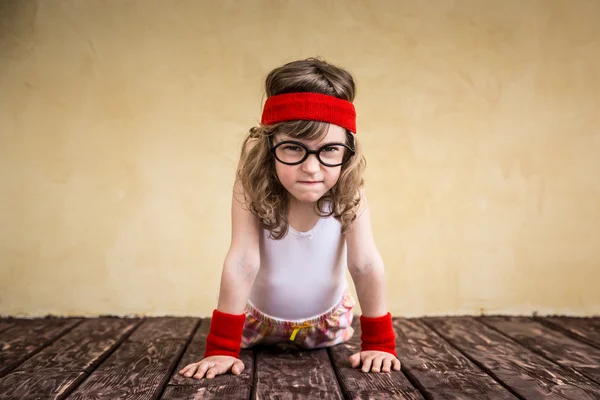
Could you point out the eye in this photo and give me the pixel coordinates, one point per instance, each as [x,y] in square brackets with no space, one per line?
[292,147]
[331,149]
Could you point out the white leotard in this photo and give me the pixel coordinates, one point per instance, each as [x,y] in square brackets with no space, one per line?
[302,275]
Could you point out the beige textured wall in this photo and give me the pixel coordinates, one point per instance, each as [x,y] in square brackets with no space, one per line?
[120,123]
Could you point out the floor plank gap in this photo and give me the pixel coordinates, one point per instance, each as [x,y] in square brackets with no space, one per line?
[183,350]
[553,325]
[476,362]
[8,367]
[564,358]
[104,357]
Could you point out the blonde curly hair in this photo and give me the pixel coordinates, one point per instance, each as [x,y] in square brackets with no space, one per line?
[264,195]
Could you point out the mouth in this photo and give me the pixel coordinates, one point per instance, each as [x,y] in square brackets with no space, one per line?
[309,182]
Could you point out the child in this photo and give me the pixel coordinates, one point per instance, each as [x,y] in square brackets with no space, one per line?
[299,217]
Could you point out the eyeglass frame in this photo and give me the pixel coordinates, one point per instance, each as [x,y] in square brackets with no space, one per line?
[315,152]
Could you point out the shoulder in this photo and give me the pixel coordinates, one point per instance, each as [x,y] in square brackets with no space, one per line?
[363,217]
[248,145]
[245,226]
[359,237]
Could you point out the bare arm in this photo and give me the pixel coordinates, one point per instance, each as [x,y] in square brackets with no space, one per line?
[237,277]
[365,263]
[243,258]
[366,267]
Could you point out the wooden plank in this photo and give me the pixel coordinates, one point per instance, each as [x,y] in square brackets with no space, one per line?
[526,373]
[83,348]
[6,323]
[165,328]
[356,384]
[438,370]
[136,370]
[552,344]
[225,387]
[139,368]
[27,337]
[286,372]
[57,369]
[585,329]
[44,384]
[204,392]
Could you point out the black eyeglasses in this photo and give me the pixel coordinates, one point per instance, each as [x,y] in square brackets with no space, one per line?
[290,152]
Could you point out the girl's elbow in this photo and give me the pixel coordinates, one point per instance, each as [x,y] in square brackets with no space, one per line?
[365,263]
[247,263]
[364,268]
[250,262]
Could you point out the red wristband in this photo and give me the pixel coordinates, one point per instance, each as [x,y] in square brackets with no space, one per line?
[378,334]
[225,335]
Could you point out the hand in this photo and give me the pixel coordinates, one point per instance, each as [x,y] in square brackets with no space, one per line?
[375,361]
[213,366]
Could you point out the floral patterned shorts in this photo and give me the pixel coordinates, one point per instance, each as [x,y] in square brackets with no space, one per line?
[329,329]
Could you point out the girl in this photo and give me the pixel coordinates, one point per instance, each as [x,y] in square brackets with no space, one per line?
[299,218]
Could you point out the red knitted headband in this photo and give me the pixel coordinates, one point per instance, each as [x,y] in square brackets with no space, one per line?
[309,106]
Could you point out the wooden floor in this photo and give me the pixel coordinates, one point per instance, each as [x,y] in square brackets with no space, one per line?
[442,358]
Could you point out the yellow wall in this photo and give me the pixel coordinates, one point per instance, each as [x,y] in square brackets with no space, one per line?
[120,124]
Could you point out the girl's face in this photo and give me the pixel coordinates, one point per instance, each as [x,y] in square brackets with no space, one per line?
[309,181]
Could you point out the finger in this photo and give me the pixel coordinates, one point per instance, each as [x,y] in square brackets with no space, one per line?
[354,360]
[202,370]
[190,367]
[366,364]
[184,369]
[238,367]
[396,364]
[387,365]
[214,371]
[377,364]
[190,370]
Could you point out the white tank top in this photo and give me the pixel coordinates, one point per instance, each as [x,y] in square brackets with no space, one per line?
[302,275]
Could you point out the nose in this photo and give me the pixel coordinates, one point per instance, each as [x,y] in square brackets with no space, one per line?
[311,164]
